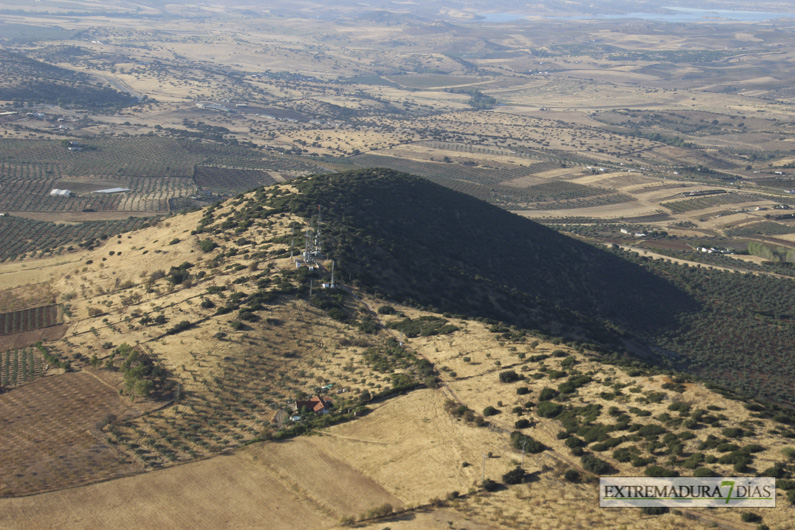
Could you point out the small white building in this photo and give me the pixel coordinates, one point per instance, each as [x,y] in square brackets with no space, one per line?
[112,190]
[61,193]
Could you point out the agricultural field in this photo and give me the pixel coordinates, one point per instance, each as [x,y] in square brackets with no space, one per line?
[51,434]
[29,319]
[20,366]
[40,238]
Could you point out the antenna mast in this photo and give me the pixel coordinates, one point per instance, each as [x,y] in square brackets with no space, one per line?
[318,250]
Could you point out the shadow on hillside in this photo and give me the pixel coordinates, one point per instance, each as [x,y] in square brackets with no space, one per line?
[411,240]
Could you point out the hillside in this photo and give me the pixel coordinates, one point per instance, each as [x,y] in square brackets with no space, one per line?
[408,239]
[192,338]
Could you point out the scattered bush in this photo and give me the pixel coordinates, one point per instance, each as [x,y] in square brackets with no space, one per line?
[522,441]
[514,476]
[181,326]
[595,465]
[490,411]
[207,303]
[704,472]
[207,245]
[547,409]
[509,376]
[659,471]
[547,394]
[491,485]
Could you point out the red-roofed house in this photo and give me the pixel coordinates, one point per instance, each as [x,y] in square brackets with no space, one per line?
[317,404]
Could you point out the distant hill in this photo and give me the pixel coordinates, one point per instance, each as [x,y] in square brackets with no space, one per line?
[27,80]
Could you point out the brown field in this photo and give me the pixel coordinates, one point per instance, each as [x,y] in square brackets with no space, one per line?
[50,437]
[28,338]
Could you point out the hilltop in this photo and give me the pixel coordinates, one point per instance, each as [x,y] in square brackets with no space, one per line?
[191,338]
[407,239]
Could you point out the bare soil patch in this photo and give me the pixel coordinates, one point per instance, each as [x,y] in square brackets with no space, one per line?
[28,338]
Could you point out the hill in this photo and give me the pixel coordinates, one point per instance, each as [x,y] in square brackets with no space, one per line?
[407,239]
[193,339]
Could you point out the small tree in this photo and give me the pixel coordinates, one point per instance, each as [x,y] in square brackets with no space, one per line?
[491,485]
[509,376]
[514,476]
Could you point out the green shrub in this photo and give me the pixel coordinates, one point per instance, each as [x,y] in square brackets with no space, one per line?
[776,471]
[490,411]
[595,465]
[573,441]
[207,303]
[681,407]
[572,475]
[733,432]
[207,245]
[693,461]
[659,471]
[514,476]
[547,409]
[750,517]
[625,454]
[651,430]
[509,376]
[491,485]
[704,472]
[638,461]
[547,394]
[566,388]
[726,447]
[532,446]
[180,326]
[654,510]
[607,444]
